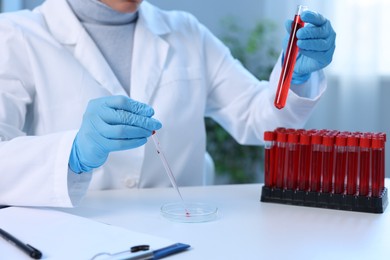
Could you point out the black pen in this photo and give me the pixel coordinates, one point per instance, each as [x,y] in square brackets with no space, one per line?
[28,249]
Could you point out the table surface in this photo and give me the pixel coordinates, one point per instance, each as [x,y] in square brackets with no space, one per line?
[245,227]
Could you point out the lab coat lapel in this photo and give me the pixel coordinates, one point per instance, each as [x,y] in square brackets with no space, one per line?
[74,37]
[149,54]
[91,58]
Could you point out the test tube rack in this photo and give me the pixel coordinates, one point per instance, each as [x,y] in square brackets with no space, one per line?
[325,169]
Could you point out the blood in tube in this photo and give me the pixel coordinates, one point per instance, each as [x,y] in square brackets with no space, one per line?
[316,162]
[289,61]
[340,164]
[353,164]
[292,160]
[304,161]
[280,155]
[377,165]
[269,148]
[327,165]
[364,169]
[382,175]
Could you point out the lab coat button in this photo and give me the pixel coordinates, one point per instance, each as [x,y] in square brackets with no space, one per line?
[131,182]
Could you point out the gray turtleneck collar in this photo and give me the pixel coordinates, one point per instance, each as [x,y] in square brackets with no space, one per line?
[112,32]
[94,11]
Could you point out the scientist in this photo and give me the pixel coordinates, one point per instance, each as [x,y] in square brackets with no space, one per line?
[84,83]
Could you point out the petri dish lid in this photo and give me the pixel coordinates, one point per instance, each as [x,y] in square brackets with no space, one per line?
[189,212]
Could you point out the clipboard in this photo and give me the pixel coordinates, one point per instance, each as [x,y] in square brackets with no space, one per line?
[60,235]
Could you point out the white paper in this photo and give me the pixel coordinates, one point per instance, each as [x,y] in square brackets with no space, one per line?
[60,235]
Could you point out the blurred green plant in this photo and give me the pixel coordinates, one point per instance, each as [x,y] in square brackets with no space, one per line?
[255,49]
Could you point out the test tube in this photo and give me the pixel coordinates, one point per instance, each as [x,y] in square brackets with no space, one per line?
[304,161]
[378,146]
[292,160]
[280,155]
[328,163]
[364,168]
[382,177]
[340,164]
[353,164]
[289,60]
[316,162]
[269,141]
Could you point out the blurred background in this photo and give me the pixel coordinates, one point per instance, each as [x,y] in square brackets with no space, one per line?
[358,78]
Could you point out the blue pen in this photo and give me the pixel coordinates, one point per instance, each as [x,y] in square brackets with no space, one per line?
[160,253]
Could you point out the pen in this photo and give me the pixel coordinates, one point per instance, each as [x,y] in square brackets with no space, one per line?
[28,249]
[160,253]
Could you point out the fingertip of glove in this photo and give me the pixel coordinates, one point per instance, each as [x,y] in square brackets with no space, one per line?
[308,14]
[313,18]
[150,111]
[154,124]
[158,125]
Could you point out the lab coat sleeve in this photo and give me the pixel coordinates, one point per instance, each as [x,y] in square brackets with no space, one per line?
[33,168]
[244,105]
[35,172]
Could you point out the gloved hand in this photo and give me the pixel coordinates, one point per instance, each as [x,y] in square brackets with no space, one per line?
[316,42]
[109,124]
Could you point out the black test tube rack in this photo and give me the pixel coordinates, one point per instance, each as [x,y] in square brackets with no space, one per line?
[325,169]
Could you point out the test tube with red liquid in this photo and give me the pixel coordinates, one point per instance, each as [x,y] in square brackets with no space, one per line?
[292,157]
[353,164]
[382,136]
[364,169]
[340,164]
[304,161]
[289,60]
[328,163]
[280,155]
[378,146]
[316,162]
[269,148]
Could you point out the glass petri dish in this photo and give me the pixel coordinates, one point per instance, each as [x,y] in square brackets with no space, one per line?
[189,212]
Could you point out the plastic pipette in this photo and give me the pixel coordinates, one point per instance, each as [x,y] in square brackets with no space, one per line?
[166,165]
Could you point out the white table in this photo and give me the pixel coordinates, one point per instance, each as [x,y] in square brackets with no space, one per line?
[246,228]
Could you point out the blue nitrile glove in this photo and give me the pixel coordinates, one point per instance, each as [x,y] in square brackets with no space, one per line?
[316,42]
[109,124]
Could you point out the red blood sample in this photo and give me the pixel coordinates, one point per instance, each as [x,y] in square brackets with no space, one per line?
[304,161]
[340,164]
[292,160]
[280,155]
[377,164]
[269,149]
[353,164]
[382,178]
[289,62]
[316,162]
[364,168]
[328,163]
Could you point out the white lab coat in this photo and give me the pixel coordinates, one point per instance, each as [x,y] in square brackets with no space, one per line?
[50,68]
